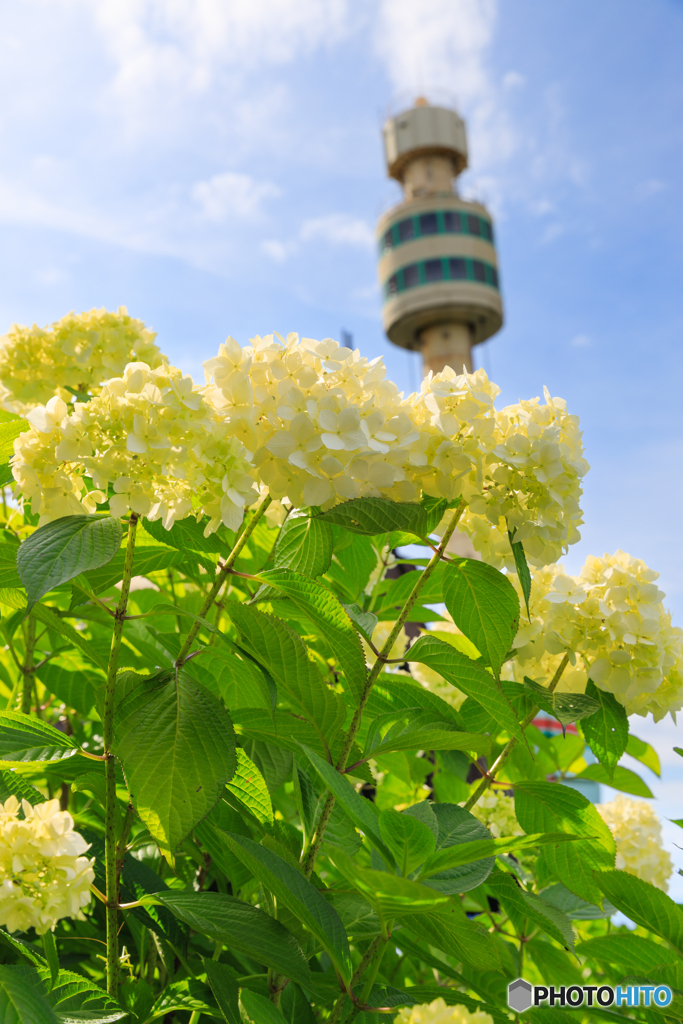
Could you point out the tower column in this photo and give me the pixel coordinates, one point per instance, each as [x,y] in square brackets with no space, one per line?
[447,344]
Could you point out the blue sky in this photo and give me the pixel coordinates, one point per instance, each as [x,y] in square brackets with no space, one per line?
[216,166]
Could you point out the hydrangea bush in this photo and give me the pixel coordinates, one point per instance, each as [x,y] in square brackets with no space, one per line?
[271,748]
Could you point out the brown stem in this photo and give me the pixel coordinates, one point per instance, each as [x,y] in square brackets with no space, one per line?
[221,577]
[507,750]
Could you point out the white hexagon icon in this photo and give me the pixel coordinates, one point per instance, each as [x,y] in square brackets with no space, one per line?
[520,995]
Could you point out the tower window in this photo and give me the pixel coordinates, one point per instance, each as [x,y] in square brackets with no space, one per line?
[473,225]
[392,284]
[388,239]
[494,277]
[452,222]
[479,270]
[406,230]
[428,224]
[457,268]
[411,276]
[486,230]
[433,270]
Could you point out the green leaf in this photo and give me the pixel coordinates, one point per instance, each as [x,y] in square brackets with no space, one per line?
[484,606]
[644,904]
[565,707]
[409,840]
[644,753]
[304,545]
[21,998]
[470,678]
[188,995]
[70,679]
[260,1010]
[548,807]
[606,731]
[417,729]
[10,428]
[633,953]
[249,786]
[21,946]
[25,739]
[294,891]
[62,549]
[77,999]
[371,516]
[468,853]
[457,826]
[364,622]
[187,535]
[522,568]
[50,618]
[283,653]
[12,784]
[528,905]
[574,908]
[241,927]
[390,895]
[359,810]
[50,950]
[177,747]
[150,556]
[622,779]
[331,621]
[225,989]
[306,800]
[449,930]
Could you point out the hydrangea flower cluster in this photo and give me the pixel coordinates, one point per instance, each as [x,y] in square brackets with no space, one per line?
[149,443]
[439,1012]
[638,837]
[44,875]
[497,811]
[612,622]
[79,351]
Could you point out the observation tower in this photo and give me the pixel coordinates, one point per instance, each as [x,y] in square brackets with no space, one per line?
[437,260]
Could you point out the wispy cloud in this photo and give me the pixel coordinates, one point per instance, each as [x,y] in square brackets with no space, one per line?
[232,194]
[338,229]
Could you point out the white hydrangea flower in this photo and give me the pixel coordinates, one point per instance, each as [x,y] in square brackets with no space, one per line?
[149,441]
[79,351]
[497,811]
[638,836]
[611,621]
[44,875]
[439,1012]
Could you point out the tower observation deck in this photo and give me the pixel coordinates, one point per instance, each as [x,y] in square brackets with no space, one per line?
[437,260]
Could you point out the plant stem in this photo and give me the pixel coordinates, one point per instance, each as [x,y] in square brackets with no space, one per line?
[382,658]
[110,848]
[374,962]
[121,846]
[27,667]
[507,750]
[221,577]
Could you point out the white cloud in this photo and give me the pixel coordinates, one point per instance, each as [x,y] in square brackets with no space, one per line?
[339,229]
[580,341]
[277,251]
[513,80]
[651,187]
[234,194]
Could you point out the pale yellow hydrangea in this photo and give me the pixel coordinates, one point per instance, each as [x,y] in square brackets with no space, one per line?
[612,622]
[638,837]
[380,635]
[79,351]
[43,873]
[439,1012]
[149,444]
[323,423]
[497,811]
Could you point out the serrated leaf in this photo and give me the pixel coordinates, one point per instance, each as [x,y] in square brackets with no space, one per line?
[527,904]
[417,729]
[70,679]
[633,953]
[575,908]
[241,927]
[410,840]
[364,622]
[622,779]
[469,853]
[225,988]
[249,786]
[188,995]
[25,739]
[150,556]
[306,800]
[326,613]
[294,891]
[177,747]
[361,813]
[304,545]
[56,624]
[390,895]
[548,807]
[456,826]
[20,946]
[449,930]
[64,548]
[644,753]
[644,904]
[280,650]
[372,516]
[50,951]
[260,1010]
[606,731]
[12,784]
[565,707]
[468,677]
[78,1000]
[484,606]
[21,997]
[522,568]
